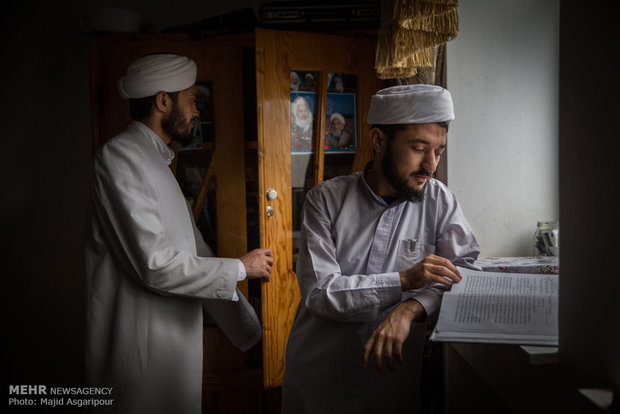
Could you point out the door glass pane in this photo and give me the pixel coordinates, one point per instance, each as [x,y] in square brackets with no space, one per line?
[194,159]
[341,138]
[303,143]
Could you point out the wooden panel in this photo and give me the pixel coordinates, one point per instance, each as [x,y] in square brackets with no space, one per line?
[281,295]
[277,53]
[319,156]
[229,150]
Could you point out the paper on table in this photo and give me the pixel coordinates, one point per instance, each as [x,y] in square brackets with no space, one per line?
[500,307]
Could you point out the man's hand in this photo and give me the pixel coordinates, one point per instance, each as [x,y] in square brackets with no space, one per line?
[430,270]
[386,342]
[258,263]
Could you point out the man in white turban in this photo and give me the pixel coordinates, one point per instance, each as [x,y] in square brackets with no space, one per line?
[149,272]
[338,137]
[378,249]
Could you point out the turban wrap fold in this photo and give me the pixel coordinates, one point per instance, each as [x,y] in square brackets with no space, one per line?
[151,74]
[410,104]
[336,115]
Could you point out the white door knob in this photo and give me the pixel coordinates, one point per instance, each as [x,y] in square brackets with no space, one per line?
[272,194]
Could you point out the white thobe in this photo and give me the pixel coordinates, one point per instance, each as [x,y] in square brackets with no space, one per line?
[353,244]
[147,282]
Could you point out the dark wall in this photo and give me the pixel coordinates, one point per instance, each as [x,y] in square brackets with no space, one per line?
[589,160]
[46,145]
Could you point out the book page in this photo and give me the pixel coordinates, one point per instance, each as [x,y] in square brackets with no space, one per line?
[500,305]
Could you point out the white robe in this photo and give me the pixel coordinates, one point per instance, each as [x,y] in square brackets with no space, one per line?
[147,283]
[353,244]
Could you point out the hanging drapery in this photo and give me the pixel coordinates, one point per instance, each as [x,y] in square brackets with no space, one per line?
[410,34]
[432,75]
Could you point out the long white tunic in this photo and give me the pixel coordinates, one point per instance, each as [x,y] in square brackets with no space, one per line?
[147,282]
[353,244]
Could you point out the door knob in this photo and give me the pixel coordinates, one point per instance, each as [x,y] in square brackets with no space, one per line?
[272,194]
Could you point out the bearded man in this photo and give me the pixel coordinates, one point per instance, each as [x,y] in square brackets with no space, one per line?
[337,138]
[149,272]
[378,249]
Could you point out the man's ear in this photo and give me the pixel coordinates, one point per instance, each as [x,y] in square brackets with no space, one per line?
[163,103]
[378,140]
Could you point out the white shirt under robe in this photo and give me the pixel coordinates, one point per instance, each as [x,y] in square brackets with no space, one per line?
[147,281]
[353,244]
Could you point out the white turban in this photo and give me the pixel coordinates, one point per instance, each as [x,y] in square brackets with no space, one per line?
[336,115]
[410,104]
[151,74]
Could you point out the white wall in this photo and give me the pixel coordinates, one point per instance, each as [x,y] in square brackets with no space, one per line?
[503,144]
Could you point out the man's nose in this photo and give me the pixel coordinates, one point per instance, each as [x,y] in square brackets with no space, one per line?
[429,163]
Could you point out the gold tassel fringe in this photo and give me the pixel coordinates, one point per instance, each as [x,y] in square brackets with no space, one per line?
[410,29]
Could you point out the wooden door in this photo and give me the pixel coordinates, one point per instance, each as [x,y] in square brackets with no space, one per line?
[319,57]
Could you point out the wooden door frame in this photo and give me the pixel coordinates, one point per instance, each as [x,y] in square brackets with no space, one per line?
[277,53]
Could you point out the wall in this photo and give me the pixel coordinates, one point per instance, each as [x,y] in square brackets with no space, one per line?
[503,144]
[46,145]
[534,138]
[589,159]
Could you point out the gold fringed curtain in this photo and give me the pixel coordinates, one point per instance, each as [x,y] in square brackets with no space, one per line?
[411,34]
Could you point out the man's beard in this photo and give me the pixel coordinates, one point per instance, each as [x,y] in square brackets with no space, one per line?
[304,124]
[175,125]
[400,183]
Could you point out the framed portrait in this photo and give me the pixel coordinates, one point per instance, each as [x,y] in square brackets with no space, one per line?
[340,123]
[303,108]
[303,81]
[341,83]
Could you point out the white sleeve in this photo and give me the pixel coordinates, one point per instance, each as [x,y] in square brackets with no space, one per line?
[127,202]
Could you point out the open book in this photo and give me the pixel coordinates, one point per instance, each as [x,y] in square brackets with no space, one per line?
[510,308]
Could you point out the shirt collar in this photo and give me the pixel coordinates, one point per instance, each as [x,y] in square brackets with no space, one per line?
[378,198]
[164,150]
